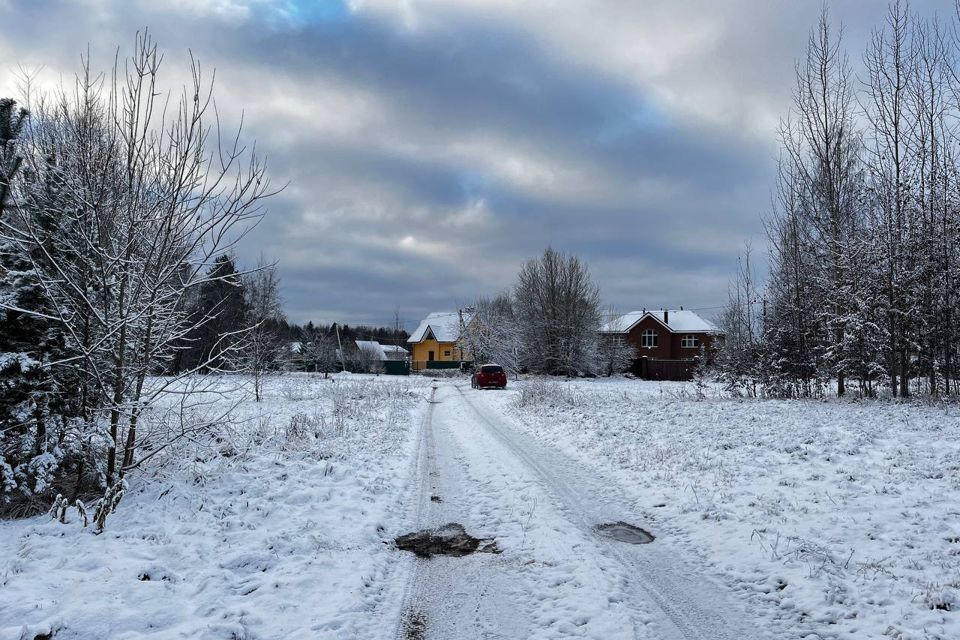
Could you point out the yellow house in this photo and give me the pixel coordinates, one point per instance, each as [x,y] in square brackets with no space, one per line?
[436,342]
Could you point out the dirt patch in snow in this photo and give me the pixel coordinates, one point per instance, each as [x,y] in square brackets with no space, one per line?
[414,625]
[448,540]
[625,532]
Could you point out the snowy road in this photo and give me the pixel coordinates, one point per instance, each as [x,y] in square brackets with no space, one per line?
[555,576]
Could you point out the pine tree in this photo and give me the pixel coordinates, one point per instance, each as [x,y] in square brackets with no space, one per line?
[27,340]
[220,318]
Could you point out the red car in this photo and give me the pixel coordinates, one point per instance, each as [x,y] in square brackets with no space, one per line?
[489,376]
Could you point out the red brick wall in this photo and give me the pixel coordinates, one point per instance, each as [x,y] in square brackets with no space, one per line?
[690,352]
[668,344]
[663,348]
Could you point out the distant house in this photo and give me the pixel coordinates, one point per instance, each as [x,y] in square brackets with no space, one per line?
[382,352]
[436,342]
[369,356]
[661,336]
[394,352]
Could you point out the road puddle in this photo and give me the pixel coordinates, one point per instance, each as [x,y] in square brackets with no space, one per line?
[624,532]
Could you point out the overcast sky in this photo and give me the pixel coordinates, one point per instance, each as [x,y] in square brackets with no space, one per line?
[432,146]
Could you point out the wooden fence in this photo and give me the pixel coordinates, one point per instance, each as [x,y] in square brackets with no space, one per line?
[658,369]
[421,365]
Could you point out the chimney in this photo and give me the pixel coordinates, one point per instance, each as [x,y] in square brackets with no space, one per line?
[666,317]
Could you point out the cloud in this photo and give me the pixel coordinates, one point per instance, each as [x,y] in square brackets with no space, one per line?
[431,146]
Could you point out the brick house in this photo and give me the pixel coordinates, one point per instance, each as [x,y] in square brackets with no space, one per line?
[666,340]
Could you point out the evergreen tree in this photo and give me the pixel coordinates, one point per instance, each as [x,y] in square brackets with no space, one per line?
[29,410]
[220,315]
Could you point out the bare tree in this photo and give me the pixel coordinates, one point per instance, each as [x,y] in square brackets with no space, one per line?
[557,309]
[823,149]
[319,353]
[147,194]
[891,65]
[615,354]
[493,333]
[366,359]
[264,346]
[742,323]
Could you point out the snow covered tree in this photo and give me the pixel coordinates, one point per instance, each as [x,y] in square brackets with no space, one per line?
[264,344]
[12,121]
[865,230]
[220,317]
[557,307]
[739,362]
[318,351]
[23,383]
[615,354]
[123,211]
[823,184]
[493,333]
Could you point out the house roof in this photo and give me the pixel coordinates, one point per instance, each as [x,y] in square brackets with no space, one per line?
[393,348]
[380,349]
[677,321]
[445,326]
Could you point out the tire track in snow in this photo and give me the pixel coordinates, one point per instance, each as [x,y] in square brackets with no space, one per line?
[692,610]
[451,597]
[424,470]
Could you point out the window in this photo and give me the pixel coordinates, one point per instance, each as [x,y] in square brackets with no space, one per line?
[648,339]
[430,355]
[690,342]
[446,354]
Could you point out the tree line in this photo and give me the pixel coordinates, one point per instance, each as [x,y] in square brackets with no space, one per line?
[864,231]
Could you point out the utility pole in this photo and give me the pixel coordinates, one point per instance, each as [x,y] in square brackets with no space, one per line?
[396,325]
[343,359]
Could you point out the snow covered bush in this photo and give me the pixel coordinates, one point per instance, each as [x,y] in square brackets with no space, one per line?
[303,426]
[540,392]
[297,388]
[942,597]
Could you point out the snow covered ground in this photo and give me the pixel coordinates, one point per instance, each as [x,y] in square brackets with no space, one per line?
[772,520]
[278,534]
[829,519]
[555,576]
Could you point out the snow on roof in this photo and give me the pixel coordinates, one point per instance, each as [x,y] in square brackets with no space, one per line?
[445,326]
[678,321]
[370,345]
[393,348]
[383,351]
